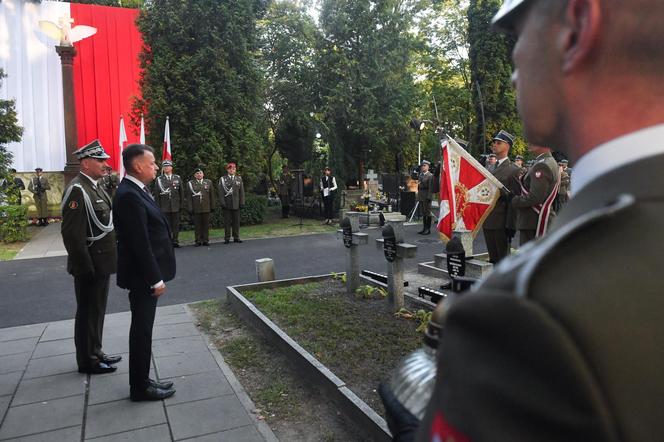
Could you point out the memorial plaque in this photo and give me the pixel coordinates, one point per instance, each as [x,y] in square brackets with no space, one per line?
[347,232]
[389,244]
[456,264]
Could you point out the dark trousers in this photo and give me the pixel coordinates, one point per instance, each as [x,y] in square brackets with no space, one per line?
[496,244]
[328,207]
[202,226]
[143,307]
[526,236]
[174,222]
[232,218]
[91,295]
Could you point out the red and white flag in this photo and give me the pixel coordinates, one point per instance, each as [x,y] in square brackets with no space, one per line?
[142,135]
[122,143]
[166,154]
[468,192]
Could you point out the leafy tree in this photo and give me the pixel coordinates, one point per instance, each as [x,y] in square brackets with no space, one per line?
[10,131]
[287,41]
[443,70]
[366,81]
[491,69]
[200,68]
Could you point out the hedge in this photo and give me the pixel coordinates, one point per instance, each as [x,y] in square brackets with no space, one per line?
[13,223]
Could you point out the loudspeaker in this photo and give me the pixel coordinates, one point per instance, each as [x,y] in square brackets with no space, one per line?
[407,202]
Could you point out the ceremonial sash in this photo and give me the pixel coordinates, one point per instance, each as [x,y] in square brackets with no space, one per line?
[544,209]
[91,215]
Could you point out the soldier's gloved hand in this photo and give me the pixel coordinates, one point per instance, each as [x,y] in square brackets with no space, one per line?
[402,423]
[510,233]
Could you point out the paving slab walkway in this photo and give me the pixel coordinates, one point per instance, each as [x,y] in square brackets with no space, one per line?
[44,398]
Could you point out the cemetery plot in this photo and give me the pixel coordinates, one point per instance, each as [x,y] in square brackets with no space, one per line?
[357,337]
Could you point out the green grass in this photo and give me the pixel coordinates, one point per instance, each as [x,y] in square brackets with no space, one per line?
[9,250]
[275,227]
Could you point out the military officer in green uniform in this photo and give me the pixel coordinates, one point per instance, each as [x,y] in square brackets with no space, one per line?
[201,201]
[169,195]
[285,189]
[110,181]
[38,186]
[424,195]
[500,225]
[89,237]
[12,186]
[563,189]
[539,188]
[524,357]
[231,195]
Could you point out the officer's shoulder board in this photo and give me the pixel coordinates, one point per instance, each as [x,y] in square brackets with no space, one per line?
[524,265]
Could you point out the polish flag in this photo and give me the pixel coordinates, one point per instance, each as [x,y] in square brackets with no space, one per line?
[468,192]
[166,153]
[122,142]
[142,136]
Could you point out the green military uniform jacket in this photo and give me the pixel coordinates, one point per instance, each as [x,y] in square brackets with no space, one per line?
[201,197]
[425,186]
[85,255]
[503,216]
[540,181]
[231,192]
[525,357]
[285,186]
[169,193]
[564,184]
[34,185]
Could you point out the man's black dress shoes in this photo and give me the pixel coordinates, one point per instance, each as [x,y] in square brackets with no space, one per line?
[238,240]
[205,243]
[110,359]
[99,368]
[152,394]
[165,385]
[227,241]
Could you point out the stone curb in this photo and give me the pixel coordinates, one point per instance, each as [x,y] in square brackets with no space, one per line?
[262,427]
[351,405]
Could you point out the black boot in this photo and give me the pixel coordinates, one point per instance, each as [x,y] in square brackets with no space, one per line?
[427,225]
[424,226]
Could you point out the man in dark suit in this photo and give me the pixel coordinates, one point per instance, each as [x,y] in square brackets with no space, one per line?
[522,357]
[499,226]
[231,196]
[88,235]
[145,263]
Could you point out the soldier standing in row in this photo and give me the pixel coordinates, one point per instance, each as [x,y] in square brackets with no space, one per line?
[231,195]
[89,237]
[110,181]
[424,194]
[38,186]
[12,187]
[285,187]
[169,195]
[500,225]
[201,201]
[539,188]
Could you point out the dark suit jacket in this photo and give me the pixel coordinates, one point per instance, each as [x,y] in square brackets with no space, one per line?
[84,258]
[145,252]
[502,216]
[528,358]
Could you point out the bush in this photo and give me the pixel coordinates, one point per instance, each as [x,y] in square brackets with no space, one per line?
[13,223]
[253,212]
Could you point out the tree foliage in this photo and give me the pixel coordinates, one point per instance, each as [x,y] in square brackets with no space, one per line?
[10,131]
[200,68]
[366,82]
[491,69]
[287,42]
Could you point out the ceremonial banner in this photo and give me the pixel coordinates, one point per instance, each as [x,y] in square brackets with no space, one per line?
[122,141]
[468,192]
[166,152]
[142,135]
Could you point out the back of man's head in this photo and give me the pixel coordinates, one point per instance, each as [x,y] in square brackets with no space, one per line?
[131,153]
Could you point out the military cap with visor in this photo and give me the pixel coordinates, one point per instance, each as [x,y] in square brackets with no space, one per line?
[166,163]
[504,18]
[505,136]
[92,150]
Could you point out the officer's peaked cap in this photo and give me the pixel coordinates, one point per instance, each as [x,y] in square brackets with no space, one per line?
[504,18]
[166,163]
[92,150]
[505,136]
